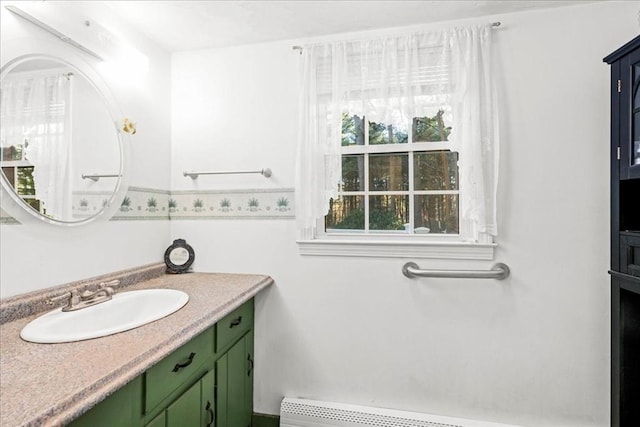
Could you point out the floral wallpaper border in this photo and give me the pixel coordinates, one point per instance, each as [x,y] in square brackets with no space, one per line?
[143,204]
[151,204]
[254,203]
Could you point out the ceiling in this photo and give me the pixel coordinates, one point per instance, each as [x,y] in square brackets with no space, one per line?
[190,25]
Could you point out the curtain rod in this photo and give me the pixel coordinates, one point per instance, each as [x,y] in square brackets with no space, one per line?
[300,48]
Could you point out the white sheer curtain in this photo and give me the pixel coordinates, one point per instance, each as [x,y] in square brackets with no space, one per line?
[35,112]
[393,79]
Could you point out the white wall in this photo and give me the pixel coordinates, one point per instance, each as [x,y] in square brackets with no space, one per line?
[94,145]
[533,349]
[33,258]
[530,350]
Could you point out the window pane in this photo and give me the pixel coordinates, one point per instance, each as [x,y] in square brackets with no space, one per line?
[346,213]
[352,130]
[34,203]
[9,174]
[353,173]
[388,212]
[437,213]
[13,152]
[435,170]
[388,172]
[26,186]
[430,129]
[380,133]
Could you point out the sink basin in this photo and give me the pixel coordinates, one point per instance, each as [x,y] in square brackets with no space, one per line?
[126,310]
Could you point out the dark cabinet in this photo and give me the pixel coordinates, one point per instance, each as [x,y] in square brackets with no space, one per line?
[625,234]
[625,107]
[625,348]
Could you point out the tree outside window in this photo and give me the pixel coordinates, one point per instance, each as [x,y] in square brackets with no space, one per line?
[395,182]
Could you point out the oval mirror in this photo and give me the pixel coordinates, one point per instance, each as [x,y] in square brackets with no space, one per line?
[61,150]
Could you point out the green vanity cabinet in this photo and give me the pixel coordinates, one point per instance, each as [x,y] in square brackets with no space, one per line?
[119,409]
[170,377]
[206,382]
[194,407]
[159,421]
[234,368]
[234,382]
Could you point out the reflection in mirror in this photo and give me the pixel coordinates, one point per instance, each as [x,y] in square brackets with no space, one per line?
[56,127]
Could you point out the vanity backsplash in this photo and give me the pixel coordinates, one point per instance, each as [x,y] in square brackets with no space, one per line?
[39,301]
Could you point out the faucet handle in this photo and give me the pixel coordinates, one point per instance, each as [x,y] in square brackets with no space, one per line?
[110,284]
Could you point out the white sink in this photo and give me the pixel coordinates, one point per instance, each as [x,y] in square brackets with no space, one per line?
[126,310]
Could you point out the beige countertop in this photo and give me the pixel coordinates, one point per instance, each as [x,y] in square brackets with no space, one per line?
[52,384]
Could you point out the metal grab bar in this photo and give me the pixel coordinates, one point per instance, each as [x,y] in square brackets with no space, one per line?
[498,271]
[194,175]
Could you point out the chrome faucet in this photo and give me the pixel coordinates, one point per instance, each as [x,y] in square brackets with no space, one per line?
[77,301]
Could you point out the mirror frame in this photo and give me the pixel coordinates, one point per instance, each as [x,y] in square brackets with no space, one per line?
[17,53]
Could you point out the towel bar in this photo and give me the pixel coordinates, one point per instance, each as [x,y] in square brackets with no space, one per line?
[96,177]
[194,175]
[499,271]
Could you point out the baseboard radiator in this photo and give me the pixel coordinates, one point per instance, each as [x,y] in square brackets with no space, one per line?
[313,413]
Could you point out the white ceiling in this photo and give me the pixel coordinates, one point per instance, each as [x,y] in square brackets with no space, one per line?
[189,25]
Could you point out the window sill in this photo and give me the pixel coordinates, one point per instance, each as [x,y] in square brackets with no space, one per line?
[398,248]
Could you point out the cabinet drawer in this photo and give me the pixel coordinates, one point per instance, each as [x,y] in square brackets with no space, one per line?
[234,325]
[165,377]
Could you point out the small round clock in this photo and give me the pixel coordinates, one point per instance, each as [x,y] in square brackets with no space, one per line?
[178,257]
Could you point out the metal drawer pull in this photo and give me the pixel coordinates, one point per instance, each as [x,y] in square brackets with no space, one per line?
[236,322]
[185,364]
[250,360]
[211,414]
[499,271]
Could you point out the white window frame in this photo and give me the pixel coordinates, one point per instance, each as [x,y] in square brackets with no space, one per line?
[476,110]
[395,244]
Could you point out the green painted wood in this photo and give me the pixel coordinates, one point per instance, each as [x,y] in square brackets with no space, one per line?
[248,375]
[166,376]
[222,379]
[207,399]
[264,420]
[164,398]
[158,421]
[185,411]
[123,408]
[236,386]
[233,326]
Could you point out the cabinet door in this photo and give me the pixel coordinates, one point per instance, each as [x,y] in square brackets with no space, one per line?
[248,375]
[630,116]
[185,411]
[193,408]
[207,400]
[234,384]
[159,421]
[625,347]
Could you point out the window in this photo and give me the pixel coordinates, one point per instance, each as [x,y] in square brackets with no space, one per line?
[35,137]
[396,181]
[19,174]
[399,146]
